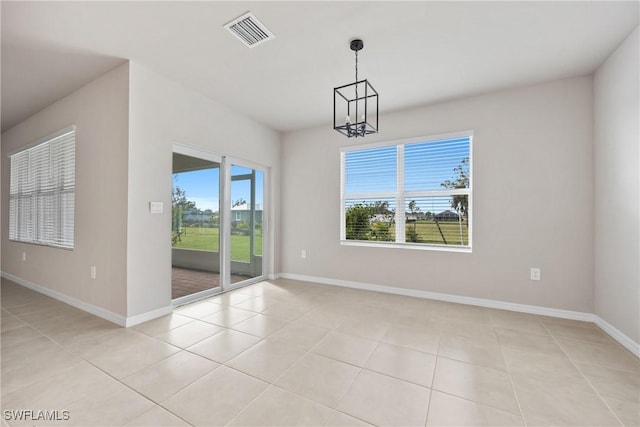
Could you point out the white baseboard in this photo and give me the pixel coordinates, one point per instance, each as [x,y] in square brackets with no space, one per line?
[623,339]
[89,308]
[149,315]
[523,308]
[627,342]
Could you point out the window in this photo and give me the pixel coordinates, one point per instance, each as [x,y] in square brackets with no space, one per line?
[42,191]
[413,194]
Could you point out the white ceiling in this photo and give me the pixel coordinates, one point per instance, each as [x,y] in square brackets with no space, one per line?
[415,52]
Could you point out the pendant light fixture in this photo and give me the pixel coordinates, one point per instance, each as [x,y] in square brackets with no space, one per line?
[355,105]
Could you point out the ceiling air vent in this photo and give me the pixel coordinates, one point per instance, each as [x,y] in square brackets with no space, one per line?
[249,30]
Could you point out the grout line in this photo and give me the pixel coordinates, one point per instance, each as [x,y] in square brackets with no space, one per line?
[251,401]
[469,399]
[433,378]
[513,386]
[347,392]
[585,377]
[272,383]
[82,358]
[165,409]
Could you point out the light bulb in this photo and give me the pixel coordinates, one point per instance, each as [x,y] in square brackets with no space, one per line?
[348,119]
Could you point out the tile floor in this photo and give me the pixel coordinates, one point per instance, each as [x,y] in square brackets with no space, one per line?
[294,353]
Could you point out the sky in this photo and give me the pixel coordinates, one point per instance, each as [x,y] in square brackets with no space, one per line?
[426,166]
[202,187]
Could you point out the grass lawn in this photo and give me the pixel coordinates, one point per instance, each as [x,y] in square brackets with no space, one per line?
[427,232]
[207,239]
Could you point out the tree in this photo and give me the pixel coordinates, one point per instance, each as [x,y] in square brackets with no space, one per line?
[179,205]
[381,231]
[179,198]
[369,221]
[215,219]
[357,219]
[239,202]
[412,232]
[380,208]
[382,219]
[460,202]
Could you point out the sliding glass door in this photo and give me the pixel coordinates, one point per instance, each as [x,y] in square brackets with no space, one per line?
[247,220]
[195,225]
[217,224]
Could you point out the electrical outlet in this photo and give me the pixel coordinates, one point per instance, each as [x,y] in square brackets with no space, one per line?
[303,253]
[535,273]
[93,272]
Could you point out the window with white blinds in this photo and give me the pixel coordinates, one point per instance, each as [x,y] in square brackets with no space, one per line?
[415,193]
[42,191]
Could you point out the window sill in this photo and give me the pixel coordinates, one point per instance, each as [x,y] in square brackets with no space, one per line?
[423,247]
[45,244]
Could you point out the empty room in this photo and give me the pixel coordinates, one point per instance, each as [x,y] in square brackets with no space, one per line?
[267,213]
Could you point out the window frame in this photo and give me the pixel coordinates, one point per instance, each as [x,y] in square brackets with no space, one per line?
[37,236]
[401,196]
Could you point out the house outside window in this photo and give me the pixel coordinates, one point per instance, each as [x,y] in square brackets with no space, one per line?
[411,194]
[42,191]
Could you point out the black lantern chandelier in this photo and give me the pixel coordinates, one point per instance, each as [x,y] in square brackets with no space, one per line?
[355,105]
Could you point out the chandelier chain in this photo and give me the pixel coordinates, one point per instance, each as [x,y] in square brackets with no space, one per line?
[356,65]
[356,86]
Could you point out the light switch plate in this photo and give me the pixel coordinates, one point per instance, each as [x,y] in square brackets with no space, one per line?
[155,207]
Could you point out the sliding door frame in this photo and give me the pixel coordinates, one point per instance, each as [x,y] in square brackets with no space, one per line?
[200,153]
[225,220]
[266,231]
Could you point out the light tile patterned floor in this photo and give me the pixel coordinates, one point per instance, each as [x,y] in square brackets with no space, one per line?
[294,353]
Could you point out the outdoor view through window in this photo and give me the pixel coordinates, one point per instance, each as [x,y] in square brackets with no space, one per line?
[196,211]
[198,231]
[414,193]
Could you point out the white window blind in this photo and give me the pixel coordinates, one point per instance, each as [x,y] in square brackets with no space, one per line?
[42,192]
[412,194]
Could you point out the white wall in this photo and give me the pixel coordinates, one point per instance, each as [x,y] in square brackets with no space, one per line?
[100,111]
[164,113]
[617,189]
[533,200]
